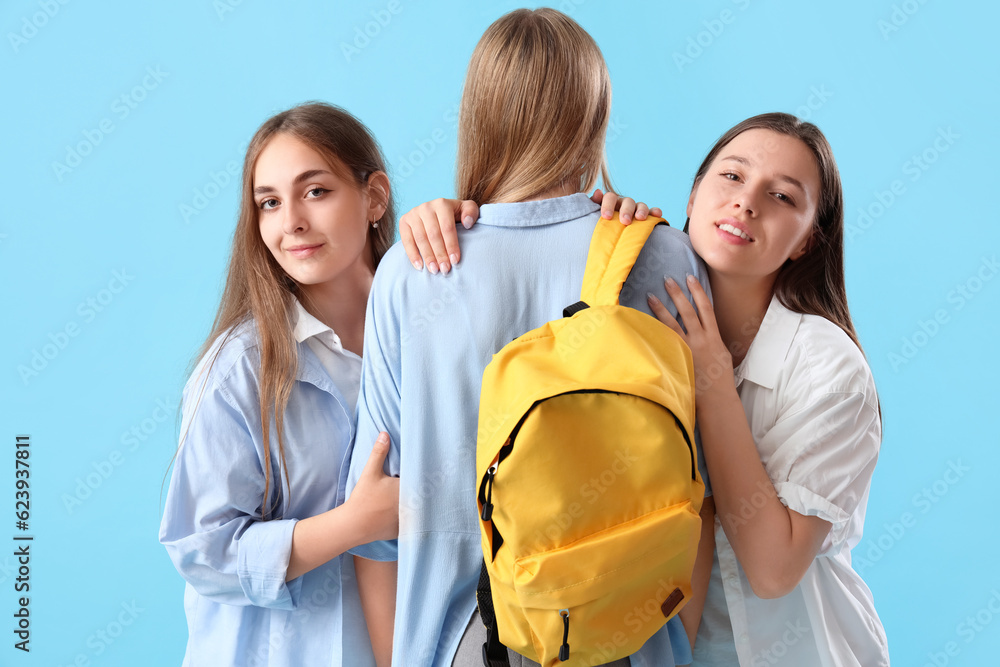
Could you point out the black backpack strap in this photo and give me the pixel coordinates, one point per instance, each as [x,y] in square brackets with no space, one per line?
[494,653]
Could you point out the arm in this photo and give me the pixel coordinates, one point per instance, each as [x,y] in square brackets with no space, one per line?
[428,232]
[691,613]
[371,513]
[377,586]
[775,545]
[211,526]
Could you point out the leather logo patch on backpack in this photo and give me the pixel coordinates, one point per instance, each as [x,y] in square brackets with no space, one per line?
[671,602]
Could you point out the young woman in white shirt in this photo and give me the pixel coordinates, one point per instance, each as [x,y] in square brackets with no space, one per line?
[786,404]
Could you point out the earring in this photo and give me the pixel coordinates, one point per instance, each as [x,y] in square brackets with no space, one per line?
[374,224]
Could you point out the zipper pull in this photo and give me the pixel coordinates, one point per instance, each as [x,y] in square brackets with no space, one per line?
[488,507]
[564,649]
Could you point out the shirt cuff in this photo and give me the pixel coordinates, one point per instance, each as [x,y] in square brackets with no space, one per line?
[385,550]
[262,564]
[808,503]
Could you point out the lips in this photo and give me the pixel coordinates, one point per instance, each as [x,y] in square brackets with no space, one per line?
[735,229]
[303,251]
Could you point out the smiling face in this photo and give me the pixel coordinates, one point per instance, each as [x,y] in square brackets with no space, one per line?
[755,207]
[314,222]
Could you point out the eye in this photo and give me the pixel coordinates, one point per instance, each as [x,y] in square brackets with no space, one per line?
[730,176]
[267,204]
[781,196]
[317,192]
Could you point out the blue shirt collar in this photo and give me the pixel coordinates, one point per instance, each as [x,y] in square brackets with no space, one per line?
[537,213]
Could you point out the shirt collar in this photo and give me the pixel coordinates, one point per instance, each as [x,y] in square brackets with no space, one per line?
[537,213]
[306,326]
[770,346]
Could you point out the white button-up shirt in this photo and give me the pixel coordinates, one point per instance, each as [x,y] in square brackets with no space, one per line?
[810,400]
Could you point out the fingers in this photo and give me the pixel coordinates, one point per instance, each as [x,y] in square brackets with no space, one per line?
[706,312]
[597,197]
[626,210]
[641,211]
[409,243]
[686,311]
[373,467]
[662,314]
[608,205]
[656,211]
[469,213]
[442,216]
[414,224]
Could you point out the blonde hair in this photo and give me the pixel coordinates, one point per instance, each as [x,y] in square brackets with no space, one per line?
[535,109]
[258,289]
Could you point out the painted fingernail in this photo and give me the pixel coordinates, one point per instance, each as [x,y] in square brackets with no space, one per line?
[454,258]
[690,278]
[445,267]
[383,438]
[670,282]
[649,296]
[432,267]
[468,221]
[418,265]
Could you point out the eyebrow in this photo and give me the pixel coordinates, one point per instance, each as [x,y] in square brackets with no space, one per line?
[304,176]
[784,177]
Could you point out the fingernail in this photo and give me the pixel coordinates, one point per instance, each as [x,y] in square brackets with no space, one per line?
[418,265]
[454,258]
[468,221]
[608,215]
[432,267]
[383,438]
[690,278]
[670,282]
[445,267]
[626,219]
[649,296]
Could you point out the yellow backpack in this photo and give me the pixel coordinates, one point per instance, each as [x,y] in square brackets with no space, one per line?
[590,493]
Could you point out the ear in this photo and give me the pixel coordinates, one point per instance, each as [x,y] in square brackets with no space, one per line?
[804,247]
[690,205]
[378,194]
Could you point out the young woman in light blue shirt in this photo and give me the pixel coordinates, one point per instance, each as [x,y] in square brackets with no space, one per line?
[252,520]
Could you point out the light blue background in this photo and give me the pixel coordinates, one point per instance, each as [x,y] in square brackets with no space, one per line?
[881,96]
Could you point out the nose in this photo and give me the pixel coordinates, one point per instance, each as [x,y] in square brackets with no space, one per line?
[746,199]
[295,221]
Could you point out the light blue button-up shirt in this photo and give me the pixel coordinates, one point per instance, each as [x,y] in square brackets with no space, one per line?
[240,610]
[428,339]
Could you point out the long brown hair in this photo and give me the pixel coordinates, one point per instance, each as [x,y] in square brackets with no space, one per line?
[814,283]
[534,111]
[258,289]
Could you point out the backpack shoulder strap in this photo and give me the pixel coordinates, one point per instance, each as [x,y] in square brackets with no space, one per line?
[613,251]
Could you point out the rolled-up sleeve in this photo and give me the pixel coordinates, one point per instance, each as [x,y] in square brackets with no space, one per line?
[824,463]
[212,527]
[379,406]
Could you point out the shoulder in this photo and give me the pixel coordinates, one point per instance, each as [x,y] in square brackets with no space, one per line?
[668,244]
[233,358]
[824,360]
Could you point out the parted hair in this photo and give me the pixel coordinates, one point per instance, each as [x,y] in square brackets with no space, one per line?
[535,109]
[258,290]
